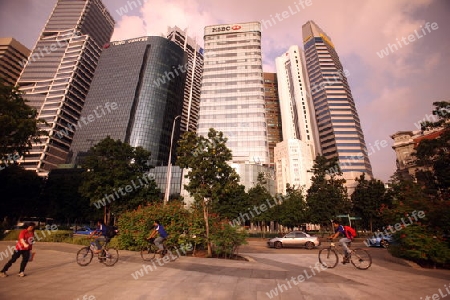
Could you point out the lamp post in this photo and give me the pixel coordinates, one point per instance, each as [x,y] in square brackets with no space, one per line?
[169,163]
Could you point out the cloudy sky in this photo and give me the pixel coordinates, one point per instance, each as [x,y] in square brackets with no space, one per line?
[393,92]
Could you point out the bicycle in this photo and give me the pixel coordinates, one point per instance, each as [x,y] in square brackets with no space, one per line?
[359,258]
[107,256]
[149,251]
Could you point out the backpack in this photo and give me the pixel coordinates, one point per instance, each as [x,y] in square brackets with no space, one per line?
[350,232]
[110,232]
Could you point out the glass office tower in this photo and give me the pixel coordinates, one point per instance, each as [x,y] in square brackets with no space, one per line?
[58,74]
[340,133]
[232,97]
[135,96]
[273,114]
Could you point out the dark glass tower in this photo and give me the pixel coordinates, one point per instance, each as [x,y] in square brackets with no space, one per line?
[135,95]
[340,133]
[58,74]
[273,113]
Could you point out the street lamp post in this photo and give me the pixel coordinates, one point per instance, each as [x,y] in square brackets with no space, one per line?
[169,163]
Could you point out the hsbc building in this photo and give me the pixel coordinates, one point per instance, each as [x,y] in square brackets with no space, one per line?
[232,95]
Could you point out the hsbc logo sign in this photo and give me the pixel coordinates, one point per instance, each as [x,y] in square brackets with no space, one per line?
[226,28]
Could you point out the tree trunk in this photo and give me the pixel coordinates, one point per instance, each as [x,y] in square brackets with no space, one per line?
[370,222]
[205,217]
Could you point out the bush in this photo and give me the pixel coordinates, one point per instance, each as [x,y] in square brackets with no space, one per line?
[226,239]
[135,226]
[417,244]
[42,235]
[12,235]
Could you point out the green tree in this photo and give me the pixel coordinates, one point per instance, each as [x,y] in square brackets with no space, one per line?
[327,196]
[117,177]
[422,239]
[367,199]
[433,154]
[18,124]
[231,204]
[259,197]
[292,211]
[210,176]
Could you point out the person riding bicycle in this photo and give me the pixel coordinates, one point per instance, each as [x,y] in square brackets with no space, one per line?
[158,229]
[339,229]
[101,232]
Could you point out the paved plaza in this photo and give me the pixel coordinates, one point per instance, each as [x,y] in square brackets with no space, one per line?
[55,275]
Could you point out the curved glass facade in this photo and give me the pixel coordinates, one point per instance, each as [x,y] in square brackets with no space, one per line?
[142,79]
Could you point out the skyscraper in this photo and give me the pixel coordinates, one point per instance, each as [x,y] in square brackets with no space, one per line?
[59,71]
[136,100]
[232,98]
[194,71]
[273,115]
[340,133]
[295,155]
[12,53]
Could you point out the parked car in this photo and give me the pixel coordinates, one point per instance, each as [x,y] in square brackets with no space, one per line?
[84,230]
[379,240]
[294,239]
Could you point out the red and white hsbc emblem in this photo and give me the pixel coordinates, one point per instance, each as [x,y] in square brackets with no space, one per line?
[236,27]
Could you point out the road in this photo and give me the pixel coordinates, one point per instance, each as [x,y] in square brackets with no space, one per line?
[271,274]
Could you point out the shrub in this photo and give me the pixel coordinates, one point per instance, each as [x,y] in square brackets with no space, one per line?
[12,235]
[226,239]
[417,244]
[42,235]
[135,226]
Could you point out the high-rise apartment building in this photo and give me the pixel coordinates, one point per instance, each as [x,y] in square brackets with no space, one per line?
[12,54]
[232,94]
[273,115]
[58,74]
[295,156]
[339,127]
[194,70]
[136,93]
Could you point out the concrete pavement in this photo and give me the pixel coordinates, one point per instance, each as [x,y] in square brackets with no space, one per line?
[55,275]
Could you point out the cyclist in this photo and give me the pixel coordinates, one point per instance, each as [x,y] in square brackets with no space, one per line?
[158,229]
[339,229]
[101,232]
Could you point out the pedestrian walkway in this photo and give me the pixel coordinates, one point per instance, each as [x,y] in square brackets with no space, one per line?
[55,275]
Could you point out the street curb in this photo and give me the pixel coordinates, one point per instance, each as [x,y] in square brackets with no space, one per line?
[248,258]
[401,261]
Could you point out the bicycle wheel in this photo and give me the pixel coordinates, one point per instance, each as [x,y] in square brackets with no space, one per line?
[361,259]
[110,256]
[84,256]
[148,252]
[328,257]
[171,252]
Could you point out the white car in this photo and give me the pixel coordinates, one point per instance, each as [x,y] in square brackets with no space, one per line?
[294,239]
